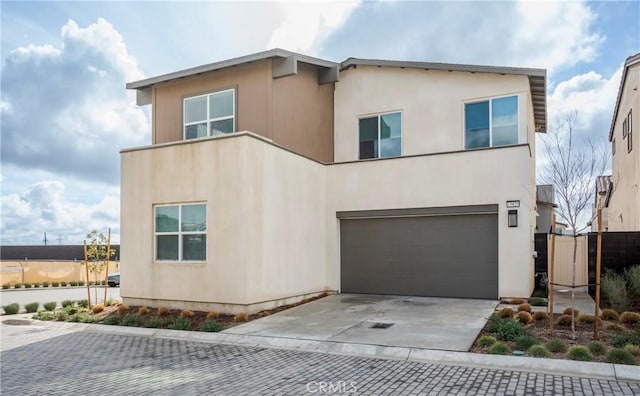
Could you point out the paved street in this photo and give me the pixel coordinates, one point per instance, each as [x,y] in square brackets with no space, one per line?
[57,294]
[86,362]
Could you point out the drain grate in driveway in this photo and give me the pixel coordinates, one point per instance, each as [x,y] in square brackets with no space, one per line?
[379,325]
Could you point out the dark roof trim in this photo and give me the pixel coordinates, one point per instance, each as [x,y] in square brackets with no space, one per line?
[630,61]
[537,79]
[270,54]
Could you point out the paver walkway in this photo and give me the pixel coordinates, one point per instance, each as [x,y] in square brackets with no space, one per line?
[92,363]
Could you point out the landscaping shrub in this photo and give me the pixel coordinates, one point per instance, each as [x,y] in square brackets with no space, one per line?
[486,341]
[614,327]
[122,309]
[507,329]
[6,286]
[43,315]
[524,307]
[557,346]
[66,303]
[27,285]
[83,303]
[620,356]
[623,339]
[163,311]
[63,283]
[18,285]
[538,302]
[180,323]
[32,307]
[154,323]
[70,309]
[80,283]
[185,313]
[614,290]
[633,349]
[630,318]
[55,284]
[262,314]
[524,317]
[130,320]
[81,317]
[111,320]
[525,342]
[587,319]
[580,353]
[108,303]
[569,310]
[11,309]
[540,315]
[143,310]
[505,313]
[210,326]
[633,279]
[500,348]
[97,308]
[538,351]
[45,284]
[36,284]
[609,314]
[212,315]
[73,283]
[241,317]
[597,348]
[49,306]
[516,301]
[564,320]
[61,316]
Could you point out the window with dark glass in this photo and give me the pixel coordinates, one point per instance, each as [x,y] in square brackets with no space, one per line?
[209,115]
[180,232]
[491,123]
[380,136]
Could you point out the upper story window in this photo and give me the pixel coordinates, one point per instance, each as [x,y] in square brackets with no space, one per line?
[210,115]
[380,136]
[627,131]
[181,232]
[491,123]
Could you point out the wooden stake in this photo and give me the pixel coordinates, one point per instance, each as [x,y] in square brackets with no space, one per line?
[596,335]
[86,267]
[551,269]
[106,271]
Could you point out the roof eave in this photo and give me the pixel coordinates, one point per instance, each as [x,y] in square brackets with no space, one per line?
[630,61]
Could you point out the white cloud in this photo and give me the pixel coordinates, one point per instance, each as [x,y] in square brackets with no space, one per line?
[307,23]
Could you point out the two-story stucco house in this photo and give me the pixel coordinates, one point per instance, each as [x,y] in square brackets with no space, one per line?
[276,176]
[624,202]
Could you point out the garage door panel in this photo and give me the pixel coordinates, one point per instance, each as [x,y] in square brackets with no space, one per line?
[447,256]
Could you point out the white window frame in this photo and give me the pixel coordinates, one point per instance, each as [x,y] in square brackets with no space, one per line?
[179,233]
[490,100]
[208,120]
[378,115]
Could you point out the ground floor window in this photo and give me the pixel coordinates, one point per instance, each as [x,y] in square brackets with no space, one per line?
[181,232]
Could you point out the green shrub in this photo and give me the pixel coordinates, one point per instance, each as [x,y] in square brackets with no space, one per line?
[180,323]
[111,320]
[27,285]
[629,318]
[83,303]
[509,329]
[500,348]
[73,283]
[538,302]
[18,285]
[82,317]
[597,348]
[580,353]
[55,284]
[50,306]
[36,284]
[108,303]
[623,339]
[32,307]
[11,309]
[609,314]
[130,320]
[63,283]
[210,326]
[538,351]
[620,356]
[555,345]
[45,284]
[614,290]
[61,316]
[486,341]
[80,283]
[6,286]
[70,309]
[633,279]
[154,323]
[633,349]
[43,315]
[66,303]
[525,342]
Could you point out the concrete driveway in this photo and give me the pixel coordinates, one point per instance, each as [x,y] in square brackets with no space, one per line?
[417,322]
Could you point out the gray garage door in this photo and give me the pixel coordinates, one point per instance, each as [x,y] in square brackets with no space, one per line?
[439,254]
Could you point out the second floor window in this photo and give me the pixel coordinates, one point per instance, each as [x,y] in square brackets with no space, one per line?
[210,115]
[491,123]
[380,136]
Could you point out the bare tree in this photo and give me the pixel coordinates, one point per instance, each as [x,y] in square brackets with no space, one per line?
[572,169]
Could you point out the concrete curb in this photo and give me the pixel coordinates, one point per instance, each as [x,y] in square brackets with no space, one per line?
[618,372]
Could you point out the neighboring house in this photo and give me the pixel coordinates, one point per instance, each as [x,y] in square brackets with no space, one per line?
[277,176]
[604,187]
[545,207]
[624,203]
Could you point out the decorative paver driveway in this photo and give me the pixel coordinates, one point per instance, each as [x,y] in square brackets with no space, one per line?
[99,364]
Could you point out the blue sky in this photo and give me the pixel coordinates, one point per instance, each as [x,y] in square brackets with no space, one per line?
[65,113]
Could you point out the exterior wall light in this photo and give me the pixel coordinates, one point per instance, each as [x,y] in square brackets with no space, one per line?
[512,218]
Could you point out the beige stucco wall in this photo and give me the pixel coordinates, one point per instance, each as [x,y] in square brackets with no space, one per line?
[464,178]
[13,272]
[265,236]
[431,102]
[624,205]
